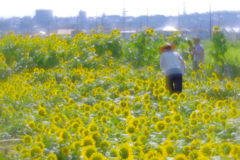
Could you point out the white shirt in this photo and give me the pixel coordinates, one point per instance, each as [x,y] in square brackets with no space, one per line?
[200,50]
[171,60]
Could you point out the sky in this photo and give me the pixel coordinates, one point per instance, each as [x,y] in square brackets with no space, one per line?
[67,8]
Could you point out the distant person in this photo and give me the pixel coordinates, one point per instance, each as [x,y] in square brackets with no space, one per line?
[198,53]
[173,66]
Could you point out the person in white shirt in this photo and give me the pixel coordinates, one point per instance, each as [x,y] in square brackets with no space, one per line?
[198,53]
[173,67]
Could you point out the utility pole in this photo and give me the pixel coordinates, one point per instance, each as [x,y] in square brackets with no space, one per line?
[96,21]
[210,19]
[184,8]
[67,24]
[48,28]
[124,16]
[147,18]
[130,26]
[178,17]
[102,20]
[77,22]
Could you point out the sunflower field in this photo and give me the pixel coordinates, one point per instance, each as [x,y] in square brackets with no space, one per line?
[96,97]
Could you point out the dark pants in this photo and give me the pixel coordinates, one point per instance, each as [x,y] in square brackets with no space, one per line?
[174,83]
[195,65]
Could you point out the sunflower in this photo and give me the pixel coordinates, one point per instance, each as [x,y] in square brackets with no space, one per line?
[216,28]
[202,96]
[180,157]
[186,132]
[156,92]
[135,122]
[174,96]
[206,150]
[216,89]
[97,156]
[126,113]
[93,127]
[169,149]
[52,156]
[182,96]
[75,125]
[186,149]
[18,148]
[156,158]
[120,125]
[229,85]
[36,152]
[126,152]
[87,141]
[146,96]
[225,148]
[143,139]
[160,126]
[153,153]
[26,155]
[65,135]
[130,129]
[134,138]
[154,119]
[76,145]
[104,145]
[194,154]
[177,117]
[66,150]
[27,139]
[172,136]
[193,122]
[123,104]
[235,151]
[219,104]
[148,31]
[31,124]
[41,145]
[114,153]
[201,65]
[206,117]
[167,119]
[42,112]
[222,117]
[88,151]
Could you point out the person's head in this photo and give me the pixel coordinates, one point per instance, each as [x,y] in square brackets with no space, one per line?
[166,48]
[196,40]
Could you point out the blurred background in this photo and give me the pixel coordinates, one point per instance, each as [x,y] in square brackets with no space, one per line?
[192,18]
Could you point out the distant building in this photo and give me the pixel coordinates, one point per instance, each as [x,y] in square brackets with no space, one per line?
[201,33]
[231,33]
[43,19]
[166,31]
[185,32]
[127,34]
[64,30]
[44,15]
[82,19]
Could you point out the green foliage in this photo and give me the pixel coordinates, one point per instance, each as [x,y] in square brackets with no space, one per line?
[143,47]
[218,48]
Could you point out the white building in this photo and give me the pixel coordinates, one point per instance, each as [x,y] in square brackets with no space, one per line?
[64,31]
[231,33]
[166,31]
